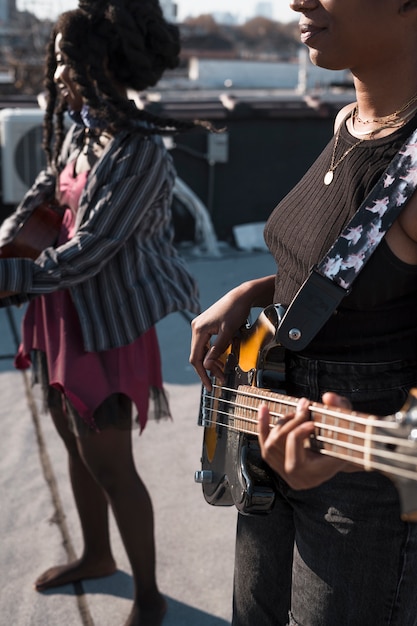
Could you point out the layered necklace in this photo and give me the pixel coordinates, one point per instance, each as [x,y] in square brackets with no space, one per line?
[393,120]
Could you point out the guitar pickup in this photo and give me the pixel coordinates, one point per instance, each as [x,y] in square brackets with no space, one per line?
[270,379]
[204,414]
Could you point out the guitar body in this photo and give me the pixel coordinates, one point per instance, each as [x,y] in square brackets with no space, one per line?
[232,469]
[39,231]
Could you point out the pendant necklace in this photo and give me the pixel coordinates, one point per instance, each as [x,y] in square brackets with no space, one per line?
[393,120]
[328,177]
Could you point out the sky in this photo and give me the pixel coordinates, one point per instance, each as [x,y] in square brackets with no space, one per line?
[242,8]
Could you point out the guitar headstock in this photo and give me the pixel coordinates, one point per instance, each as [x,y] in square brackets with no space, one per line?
[401,455]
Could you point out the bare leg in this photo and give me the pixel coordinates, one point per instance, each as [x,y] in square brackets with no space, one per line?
[92,507]
[110,459]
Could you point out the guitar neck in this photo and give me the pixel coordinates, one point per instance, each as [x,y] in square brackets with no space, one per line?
[363,439]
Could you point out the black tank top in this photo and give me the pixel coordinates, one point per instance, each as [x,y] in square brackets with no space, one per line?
[378,320]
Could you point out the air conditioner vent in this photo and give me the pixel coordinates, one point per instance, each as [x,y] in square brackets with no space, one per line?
[22,157]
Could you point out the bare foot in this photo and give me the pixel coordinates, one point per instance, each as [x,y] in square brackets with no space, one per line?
[148,616]
[73,572]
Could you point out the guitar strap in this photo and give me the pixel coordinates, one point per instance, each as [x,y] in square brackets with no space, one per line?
[332,278]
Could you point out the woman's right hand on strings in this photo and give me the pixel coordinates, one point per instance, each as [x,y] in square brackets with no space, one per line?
[223,320]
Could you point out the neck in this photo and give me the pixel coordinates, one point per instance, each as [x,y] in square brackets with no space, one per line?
[378,128]
[381,93]
[381,109]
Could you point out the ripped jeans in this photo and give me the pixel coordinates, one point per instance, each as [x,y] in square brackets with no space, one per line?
[338,554]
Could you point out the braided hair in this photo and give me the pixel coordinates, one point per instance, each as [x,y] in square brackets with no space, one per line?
[111,43]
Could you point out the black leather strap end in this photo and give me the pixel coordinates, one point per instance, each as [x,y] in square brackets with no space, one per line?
[314,303]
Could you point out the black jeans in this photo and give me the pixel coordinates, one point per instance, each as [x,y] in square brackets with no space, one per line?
[339,554]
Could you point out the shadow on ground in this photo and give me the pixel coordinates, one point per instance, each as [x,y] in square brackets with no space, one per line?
[120,585]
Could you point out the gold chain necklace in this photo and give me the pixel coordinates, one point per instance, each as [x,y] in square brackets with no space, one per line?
[392,118]
[328,177]
[388,121]
[396,122]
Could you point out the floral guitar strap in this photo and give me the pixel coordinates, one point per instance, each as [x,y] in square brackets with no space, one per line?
[332,278]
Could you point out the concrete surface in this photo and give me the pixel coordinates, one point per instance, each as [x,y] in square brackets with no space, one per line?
[38,523]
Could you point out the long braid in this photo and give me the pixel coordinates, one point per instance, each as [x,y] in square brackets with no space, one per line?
[51,100]
[111,44]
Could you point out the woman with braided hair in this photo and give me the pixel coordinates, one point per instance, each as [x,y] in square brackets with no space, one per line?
[95,296]
[138,45]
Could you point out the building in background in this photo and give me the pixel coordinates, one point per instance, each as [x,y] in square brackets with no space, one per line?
[7,10]
[226,18]
[265,9]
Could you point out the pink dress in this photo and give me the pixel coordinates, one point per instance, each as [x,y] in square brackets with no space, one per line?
[86,378]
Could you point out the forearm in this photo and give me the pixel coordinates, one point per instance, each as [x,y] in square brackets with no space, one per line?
[260,291]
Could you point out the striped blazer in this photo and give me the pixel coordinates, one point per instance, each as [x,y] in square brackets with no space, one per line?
[121,267]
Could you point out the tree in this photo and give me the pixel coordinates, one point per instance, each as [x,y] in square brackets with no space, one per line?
[263,35]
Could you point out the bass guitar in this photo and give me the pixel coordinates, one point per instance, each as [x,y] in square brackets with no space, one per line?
[39,231]
[232,469]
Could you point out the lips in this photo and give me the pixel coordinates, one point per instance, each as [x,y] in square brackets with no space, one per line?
[308,31]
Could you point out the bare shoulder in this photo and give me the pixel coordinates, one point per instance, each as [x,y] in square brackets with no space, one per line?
[343,113]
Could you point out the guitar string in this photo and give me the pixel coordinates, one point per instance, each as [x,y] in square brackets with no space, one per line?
[357,418]
[341,416]
[376,465]
[374,438]
[347,417]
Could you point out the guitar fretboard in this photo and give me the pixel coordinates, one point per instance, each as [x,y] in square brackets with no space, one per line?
[366,440]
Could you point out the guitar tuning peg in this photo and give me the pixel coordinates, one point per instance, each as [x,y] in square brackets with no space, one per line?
[203,477]
[408,414]
[413,435]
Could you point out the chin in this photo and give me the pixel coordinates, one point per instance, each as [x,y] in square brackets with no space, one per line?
[321,60]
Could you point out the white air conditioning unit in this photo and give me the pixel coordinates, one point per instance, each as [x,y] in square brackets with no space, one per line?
[22,156]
